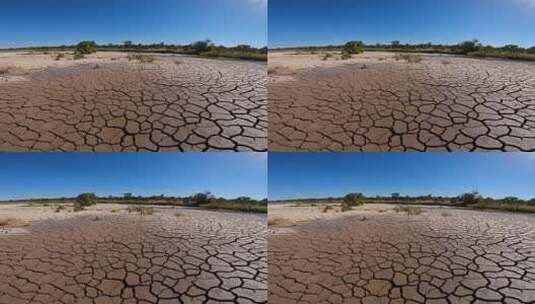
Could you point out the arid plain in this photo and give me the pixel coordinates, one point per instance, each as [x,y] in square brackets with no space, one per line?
[376,254]
[113,254]
[116,101]
[384,101]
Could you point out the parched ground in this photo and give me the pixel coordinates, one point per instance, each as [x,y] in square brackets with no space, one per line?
[103,257]
[377,103]
[441,256]
[108,103]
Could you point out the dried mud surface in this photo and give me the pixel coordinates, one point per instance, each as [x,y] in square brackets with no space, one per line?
[440,256]
[193,257]
[376,103]
[175,103]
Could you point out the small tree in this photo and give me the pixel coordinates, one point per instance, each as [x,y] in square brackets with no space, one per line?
[199,47]
[85,200]
[127,195]
[86,47]
[470,198]
[469,46]
[353,47]
[352,200]
[202,198]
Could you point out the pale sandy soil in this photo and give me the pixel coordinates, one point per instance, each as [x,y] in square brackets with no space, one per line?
[290,214]
[18,216]
[14,66]
[39,60]
[283,65]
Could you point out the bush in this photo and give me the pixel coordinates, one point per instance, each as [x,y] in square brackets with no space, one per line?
[86,47]
[470,198]
[346,56]
[327,56]
[469,46]
[202,198]
[199,47]
[85,200]
[78,56]
[60,208]
[354,199]
[353,47]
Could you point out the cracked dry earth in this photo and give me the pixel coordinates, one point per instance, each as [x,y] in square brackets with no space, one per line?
[468,257]
[192,105]
[442,103]
[199,257]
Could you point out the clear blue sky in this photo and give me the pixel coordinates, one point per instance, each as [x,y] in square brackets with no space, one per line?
[57,22]
[42,175]
[323,22]
[336,174]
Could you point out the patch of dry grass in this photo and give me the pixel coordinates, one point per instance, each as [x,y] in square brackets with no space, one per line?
[281,71]
[141,58]
[409,58]
[278,221]
[409,210]
[141,210]
[7,221]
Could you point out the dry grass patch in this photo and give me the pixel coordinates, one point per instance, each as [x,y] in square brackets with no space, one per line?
[5,69]
[8,221]
[327,208]
[278,221]
[409,58]
[141,210]
[409,210]
[281,71]
[141,58]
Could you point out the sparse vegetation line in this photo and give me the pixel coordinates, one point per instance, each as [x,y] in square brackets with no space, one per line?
[471,200]
[205,200]
[470,48]
[205,48]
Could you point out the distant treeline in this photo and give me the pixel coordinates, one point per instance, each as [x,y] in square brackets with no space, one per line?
[469,200]
[205,48]
[202,200]
[472,48]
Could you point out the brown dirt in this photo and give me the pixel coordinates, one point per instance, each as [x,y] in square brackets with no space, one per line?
[377,103]
[198,257]
[198,105]
[462,257]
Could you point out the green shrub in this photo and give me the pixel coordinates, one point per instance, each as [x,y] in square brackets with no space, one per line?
[354,199]
[470,198]
[78,56]
[86,47]
[85,200]
[470,46]
[353,47]
[346,56]
[203,198]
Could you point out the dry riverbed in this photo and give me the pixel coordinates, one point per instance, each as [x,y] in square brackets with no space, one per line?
[380,101]
[107,254]
[110,102]
[374,254]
